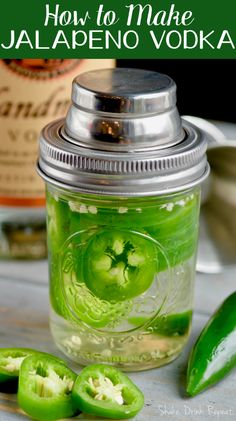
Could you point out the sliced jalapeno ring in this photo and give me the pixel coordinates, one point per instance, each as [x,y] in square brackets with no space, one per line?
[119,265]
[45,386]
[10,363]
[104,391]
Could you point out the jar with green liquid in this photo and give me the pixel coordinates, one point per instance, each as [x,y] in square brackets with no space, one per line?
[123,175]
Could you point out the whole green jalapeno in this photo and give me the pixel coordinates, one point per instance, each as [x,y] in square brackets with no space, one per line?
[214,354]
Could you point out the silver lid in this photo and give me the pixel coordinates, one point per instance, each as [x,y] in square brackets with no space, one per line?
[124,91]
[123,110]
[123,136]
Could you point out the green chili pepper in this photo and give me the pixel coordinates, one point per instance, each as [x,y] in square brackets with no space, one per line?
[58,232]
[104,391]
[57,222]
[45,386]
[214,354]
[167,325]
[119,265]
[161,217]
[177,232]
[174,225]
[133,213]
[10,363]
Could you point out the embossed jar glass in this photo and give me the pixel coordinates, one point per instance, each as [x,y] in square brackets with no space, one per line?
[123,174]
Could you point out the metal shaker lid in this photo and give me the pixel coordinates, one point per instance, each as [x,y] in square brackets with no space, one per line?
[123,136]
[124,91]
[123,109]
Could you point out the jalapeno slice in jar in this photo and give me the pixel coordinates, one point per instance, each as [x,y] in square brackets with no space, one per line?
[57,221]
[45,387]
[104,391]
[119,265]
[167,325]
[10,363]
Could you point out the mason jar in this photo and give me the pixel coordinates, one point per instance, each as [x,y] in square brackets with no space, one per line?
[123,175]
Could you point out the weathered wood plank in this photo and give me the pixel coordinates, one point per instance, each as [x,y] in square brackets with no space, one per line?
[32,271]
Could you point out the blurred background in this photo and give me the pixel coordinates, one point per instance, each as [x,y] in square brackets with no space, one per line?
[206,88]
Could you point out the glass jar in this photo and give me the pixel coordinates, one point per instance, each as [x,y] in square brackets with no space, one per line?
[122,223]
[121,275]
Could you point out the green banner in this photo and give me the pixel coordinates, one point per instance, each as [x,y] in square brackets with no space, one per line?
[118,29]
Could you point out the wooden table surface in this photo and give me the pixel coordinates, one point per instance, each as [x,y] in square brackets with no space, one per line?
[24,322]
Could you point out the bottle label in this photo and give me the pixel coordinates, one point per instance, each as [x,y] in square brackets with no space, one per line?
[33,92]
